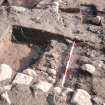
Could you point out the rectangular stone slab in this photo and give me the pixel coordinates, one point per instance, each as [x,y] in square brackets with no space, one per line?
[47,21]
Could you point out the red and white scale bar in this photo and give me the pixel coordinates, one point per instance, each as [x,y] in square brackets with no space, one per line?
[68,63]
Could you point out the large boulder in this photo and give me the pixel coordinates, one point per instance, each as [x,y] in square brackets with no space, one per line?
[22,79]
[81,97]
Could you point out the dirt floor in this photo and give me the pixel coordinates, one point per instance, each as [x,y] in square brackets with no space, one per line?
[18,55]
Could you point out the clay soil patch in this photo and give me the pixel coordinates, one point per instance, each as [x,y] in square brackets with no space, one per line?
[18,56]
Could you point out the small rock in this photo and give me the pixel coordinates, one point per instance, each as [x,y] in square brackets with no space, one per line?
[98,100]
[5,72]
[22,79]
[100,64]
[42,85]
[84,59]
[89,68]
[55,6]
[62,91]
[51,71]
[58,90]
[51,80]
[66,91]
[6,97]
[30,72]
[81,97]
[18,9]
[91,20]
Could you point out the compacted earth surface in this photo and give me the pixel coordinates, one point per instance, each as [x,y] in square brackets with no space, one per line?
[36,39]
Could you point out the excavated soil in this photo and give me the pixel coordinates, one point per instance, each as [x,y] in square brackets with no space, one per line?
[18,55]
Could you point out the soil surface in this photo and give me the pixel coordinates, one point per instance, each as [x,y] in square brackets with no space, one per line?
[18,55]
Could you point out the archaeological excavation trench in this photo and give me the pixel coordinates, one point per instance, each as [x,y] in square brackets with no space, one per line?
[43,51]
[36,41]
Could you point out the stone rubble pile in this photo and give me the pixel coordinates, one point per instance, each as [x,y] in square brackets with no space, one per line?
[79,97]
[30,77]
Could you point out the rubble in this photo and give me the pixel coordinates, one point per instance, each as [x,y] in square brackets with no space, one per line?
[30,72]
[81,97]
[22,79]
[89,68]
[42,85]
[5,72]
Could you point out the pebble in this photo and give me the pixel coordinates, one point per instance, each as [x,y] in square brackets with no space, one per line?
[5,72]
[22,79]
[30,72]
[81,97]
[42,85]
[89,68]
